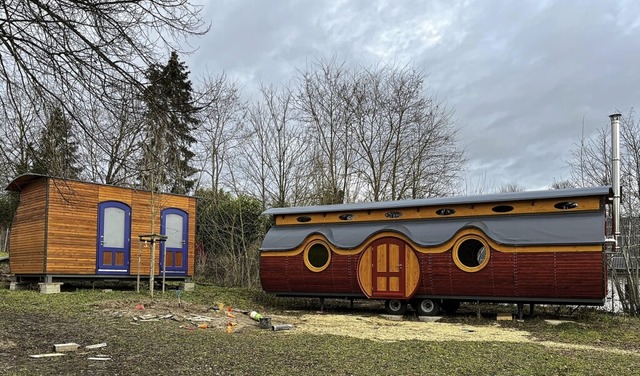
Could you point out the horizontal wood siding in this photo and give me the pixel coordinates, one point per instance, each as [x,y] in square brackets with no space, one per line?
[289,274]
[553,275]
[141,224]
[73,220]
[27,237]
[73,227]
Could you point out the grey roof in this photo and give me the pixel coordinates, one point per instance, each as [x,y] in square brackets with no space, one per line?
[441,201]
[543,229]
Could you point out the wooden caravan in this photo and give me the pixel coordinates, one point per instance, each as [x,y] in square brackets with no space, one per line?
[71,229]
[525,247]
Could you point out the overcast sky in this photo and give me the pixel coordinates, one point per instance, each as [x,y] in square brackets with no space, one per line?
[523,77]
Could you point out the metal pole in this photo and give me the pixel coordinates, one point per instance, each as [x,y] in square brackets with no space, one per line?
[615,176]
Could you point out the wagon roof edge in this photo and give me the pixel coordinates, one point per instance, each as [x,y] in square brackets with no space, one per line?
[450,200]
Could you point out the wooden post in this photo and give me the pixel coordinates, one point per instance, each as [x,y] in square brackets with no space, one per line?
[139,266]
[153,265]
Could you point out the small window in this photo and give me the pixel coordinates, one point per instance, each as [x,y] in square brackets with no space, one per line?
[502,208]
[317,257]
[346,217]
[303,219]
[393,214]
[445,211]
[471,254]
[566,205]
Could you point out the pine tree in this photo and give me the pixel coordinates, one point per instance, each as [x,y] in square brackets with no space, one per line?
[171,117]
[57,151]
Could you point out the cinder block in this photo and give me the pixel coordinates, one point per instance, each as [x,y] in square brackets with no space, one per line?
[50,288]
[188,286]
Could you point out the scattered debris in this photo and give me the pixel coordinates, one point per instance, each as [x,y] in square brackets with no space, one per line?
[558,322]
[276,328]
[49,355]
[468,330]
[139,307]
[96,346]
[265,323]
[65,347]
[100,357]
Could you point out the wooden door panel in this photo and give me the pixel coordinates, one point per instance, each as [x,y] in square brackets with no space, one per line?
[387,269]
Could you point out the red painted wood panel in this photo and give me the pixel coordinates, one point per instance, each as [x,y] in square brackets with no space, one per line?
[526,275]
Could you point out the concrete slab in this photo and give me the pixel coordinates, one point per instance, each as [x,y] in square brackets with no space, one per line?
[188,286]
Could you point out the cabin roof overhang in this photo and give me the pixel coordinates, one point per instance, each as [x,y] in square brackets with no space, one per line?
[442,201]
[18,184]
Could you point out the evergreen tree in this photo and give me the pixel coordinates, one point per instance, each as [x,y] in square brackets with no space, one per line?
[171,117]
[57,151]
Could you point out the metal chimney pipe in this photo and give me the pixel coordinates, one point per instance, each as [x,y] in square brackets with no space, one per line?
[615,176]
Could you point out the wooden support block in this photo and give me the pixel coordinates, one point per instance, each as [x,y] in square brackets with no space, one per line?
[66,347]
[504,317]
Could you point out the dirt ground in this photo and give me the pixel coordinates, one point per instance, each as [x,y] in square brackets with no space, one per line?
[366,324]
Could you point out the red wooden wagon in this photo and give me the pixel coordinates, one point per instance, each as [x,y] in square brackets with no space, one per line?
[525,247]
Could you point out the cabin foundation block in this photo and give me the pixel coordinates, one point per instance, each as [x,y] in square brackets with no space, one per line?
[188,286]
[50,288]
[17,286]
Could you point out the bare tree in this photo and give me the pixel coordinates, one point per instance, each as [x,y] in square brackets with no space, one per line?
[320,102]
[406,140]
[113,146]
[69,50]
[222,115]
[511,188]
[275,149]
[20,124]
[590,164]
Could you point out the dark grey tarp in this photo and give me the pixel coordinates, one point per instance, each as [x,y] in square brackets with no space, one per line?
[530,229]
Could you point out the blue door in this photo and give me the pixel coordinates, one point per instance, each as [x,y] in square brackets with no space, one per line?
[114,238]
[174,224]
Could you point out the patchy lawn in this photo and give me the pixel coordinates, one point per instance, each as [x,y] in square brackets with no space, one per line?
[164,337]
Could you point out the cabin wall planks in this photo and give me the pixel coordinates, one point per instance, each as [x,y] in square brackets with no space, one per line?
[55,229]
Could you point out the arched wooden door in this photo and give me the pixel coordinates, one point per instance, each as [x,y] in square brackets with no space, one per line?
[388,269]
[175,225]
[114,238]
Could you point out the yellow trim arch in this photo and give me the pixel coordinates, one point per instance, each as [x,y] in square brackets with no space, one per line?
[314,245]
[463,265]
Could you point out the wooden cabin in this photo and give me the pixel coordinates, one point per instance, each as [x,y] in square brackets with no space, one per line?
[525,247]
[65,229]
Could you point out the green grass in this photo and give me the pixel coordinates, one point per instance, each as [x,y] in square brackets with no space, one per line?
[32,322]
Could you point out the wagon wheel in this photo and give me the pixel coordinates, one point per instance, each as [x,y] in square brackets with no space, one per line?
[427,307]
[395,307]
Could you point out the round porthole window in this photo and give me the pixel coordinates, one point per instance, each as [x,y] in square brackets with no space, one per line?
[317,257]
[471,253]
